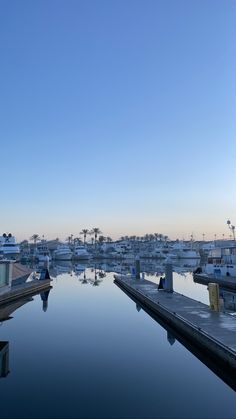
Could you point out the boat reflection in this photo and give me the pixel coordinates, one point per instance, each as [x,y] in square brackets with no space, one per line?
[224,373]
[61,267]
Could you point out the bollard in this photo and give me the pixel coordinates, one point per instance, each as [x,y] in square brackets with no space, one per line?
[137,268]
[161,283]
[168,285]
[214,296]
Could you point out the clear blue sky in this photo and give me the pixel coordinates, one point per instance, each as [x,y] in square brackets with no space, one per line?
[118,114]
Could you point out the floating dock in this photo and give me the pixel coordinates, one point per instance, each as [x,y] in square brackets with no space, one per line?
[223,281]
[213,332]
[28,288]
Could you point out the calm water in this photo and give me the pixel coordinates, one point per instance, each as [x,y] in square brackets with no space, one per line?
[90,351]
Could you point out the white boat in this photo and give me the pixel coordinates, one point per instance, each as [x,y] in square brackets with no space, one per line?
[42,251]
[221,262]
[181,250]
[8,246]
[62,252]
[80,252]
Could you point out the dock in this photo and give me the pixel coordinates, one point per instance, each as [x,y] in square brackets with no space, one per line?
[26,289]
[223,281]
[210,331]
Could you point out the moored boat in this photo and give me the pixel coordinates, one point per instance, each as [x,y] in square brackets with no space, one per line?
[62,252]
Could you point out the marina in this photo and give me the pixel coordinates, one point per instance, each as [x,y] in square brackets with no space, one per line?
[106,342]
[117,241]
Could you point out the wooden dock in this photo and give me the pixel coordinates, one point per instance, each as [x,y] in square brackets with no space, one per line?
[26,289]
[223,281]
[213,332]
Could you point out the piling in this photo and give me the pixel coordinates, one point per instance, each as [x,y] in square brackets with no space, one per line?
[214,296]
[137,267]
[168,284]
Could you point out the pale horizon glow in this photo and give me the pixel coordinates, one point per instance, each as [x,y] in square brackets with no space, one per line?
[118,115]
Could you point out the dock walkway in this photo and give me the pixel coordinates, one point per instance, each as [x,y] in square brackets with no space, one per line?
[215,332]
[223,281]
[26,289]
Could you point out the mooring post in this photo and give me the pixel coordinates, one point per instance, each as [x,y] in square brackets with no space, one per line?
[214,296]
[137,267]
[168,284]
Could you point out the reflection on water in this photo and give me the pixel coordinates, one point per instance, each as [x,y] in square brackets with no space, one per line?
[227,375]
[4,359]
[6,312]
[44,297]
[90,340]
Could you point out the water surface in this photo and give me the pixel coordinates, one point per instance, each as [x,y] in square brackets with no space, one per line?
[89,351]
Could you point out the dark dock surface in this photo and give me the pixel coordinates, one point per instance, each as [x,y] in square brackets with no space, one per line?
[215,332]
[223,281]
[28,288]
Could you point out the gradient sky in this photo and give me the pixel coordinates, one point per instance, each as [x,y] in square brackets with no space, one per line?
[118,114]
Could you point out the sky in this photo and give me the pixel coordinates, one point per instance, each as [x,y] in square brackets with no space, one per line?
[117,114]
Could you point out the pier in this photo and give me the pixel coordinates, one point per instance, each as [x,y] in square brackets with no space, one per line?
[27,289]
[213,332]
[223,281]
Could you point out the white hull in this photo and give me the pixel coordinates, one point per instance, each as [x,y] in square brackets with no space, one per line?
[10,255]
[41,258]
[191,254]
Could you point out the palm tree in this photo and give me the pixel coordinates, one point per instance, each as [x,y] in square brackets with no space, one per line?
[85,231]
[77,240]
[95,231]
[101,239]
[69,239]
[35,238]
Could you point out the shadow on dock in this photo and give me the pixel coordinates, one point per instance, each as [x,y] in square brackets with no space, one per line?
[224,373]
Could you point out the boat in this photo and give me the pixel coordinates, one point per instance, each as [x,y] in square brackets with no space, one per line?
[181,250]
[41,251]
[80,252]
[221,262]
[8,246]
[62,252]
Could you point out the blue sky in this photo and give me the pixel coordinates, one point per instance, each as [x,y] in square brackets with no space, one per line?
[118,114]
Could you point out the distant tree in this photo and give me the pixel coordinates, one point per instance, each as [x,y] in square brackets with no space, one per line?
[101,239]
[84,232]
[69,239]
[95,231]
[77,240]
[35,238]
[109,239]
